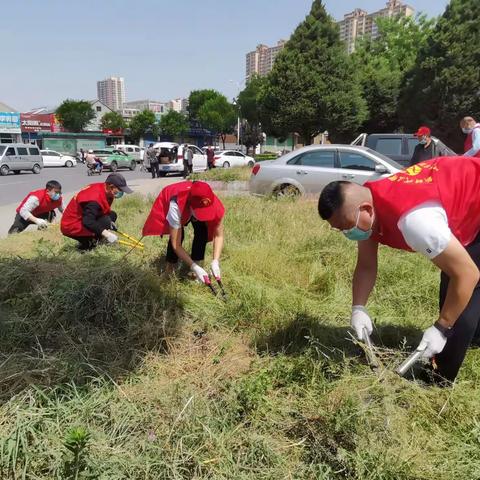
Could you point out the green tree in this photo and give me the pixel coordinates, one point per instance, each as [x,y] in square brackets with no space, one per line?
[113,121]
[312,87]
[75,115]
[381,65]
[249,102]
[444,84]
[174,124]
[218,115]
[143,123]
[197,99]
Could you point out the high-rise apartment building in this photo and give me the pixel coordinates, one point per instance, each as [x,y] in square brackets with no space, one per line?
[359,23]
[111,92]
[260,61]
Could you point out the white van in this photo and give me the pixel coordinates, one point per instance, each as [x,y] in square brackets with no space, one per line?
[15,157]
[176,164]
[133,150]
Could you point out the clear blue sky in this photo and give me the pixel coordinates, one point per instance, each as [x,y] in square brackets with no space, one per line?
[54,49]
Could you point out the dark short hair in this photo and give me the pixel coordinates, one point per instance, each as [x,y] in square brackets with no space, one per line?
[331,199]
[51,184]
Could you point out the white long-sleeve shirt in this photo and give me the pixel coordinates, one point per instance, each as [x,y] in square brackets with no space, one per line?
[475,142]
[30,205]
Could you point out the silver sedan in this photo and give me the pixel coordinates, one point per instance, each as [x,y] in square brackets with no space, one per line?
[308,169]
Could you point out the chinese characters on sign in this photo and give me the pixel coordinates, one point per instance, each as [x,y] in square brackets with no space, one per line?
[9,122]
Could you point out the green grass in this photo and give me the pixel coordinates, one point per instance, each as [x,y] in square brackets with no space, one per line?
[224,174]
[110,371]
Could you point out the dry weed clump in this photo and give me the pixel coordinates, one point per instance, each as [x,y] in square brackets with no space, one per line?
[156,379]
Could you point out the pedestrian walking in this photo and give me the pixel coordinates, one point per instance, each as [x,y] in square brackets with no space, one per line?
[186,203]
[38,208]
[210,157]
[187,161]
[152,160]
[472,141]
[88,217]
[429,208]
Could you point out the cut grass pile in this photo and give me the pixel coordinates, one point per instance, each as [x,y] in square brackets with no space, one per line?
[110,371]
[233,174]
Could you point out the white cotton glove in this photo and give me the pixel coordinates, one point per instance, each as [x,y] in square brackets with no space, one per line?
[215,266]
[360,320]
[433,342]
[109,236]
[202,275]
[41,223]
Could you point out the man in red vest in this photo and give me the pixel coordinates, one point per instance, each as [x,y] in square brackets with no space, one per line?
[178,205]
[472,141]
[88,217]
[38,207]
[431,208]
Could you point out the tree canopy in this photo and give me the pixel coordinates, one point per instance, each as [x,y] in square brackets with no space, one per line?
[382,63]
[197,99]
[113,121]
[174,124]
[143,123]
[444,84]
[312,87]
[75,115]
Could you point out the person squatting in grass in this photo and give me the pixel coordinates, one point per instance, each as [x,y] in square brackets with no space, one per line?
[88,217]
[178,205]
[38,208]
[431,208]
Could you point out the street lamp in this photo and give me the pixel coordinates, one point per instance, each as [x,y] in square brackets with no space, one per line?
[235,102]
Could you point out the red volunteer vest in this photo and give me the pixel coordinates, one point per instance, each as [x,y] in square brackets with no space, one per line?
[46,203]
[156,223]
[71,224]
[454,182]
[469,142]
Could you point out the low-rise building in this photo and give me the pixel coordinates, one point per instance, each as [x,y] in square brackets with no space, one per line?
[10,131]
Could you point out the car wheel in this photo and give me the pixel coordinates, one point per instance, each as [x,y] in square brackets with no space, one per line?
[69,164]
[133,165]
[226,165]
[113,167]
[4,170]
[251,164]
[163,174]
[36,169]
[16,172]
[287,191]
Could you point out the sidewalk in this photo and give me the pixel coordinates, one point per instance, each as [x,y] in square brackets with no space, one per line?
[144,186]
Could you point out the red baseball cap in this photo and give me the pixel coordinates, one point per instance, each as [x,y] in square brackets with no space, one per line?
[422,131]
[204,203]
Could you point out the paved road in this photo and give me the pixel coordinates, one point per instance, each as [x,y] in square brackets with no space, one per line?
[13,188]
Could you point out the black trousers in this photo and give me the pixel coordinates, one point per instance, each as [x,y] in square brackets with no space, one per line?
[20,224]
[200,239]
[105,223]
[187,169]
[466,329]
[155,169]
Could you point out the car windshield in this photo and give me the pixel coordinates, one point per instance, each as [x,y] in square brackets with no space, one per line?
[385,158]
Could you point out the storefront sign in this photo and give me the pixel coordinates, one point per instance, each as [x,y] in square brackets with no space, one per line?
[37,122]
[10,122]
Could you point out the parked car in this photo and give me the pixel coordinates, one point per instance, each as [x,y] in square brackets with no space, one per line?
[133,150]
[232,158]
[57,159]
[15,157]
[399,146]
[114,159]
[309,169]
[176,161]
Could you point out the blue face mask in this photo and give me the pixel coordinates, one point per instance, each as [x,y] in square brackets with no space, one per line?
[55,196]
[357,234]
[119,195]
[466,130]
